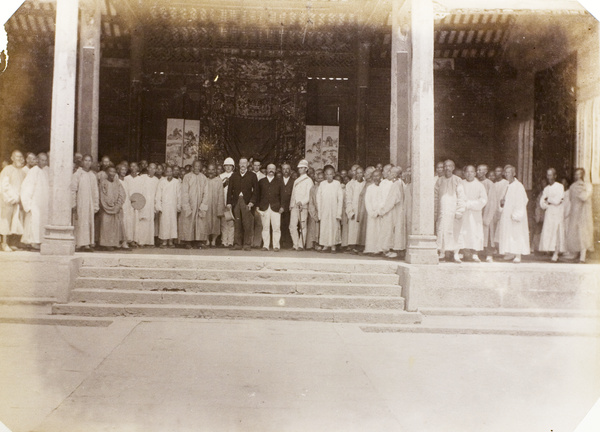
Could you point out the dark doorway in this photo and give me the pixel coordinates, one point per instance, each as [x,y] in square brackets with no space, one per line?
[555,119]
[251,138]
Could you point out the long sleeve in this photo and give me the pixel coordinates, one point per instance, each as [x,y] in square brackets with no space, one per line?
[479,203]
[370,202]
[178,189]
[349,199]
[340,202]
[185,196]
[220,201]
[95,194]
[520,208]
[27,190]
[254,197]
[158,198]
[75,187]
[318,202]
[557,197]
[461,200]
[543,203]
[393,197]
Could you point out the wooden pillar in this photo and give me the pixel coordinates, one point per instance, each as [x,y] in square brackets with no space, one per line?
[88,83]
[400,84]
[59,239]
[135,92]
[422,247]
[362,87]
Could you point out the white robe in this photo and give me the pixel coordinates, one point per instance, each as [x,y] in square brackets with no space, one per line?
[86,199]
[553,231]
[127,211]
[133,185]
[394,205]
[449,196]
[330,200]
[168,202]
[580,224]
[11,216]
[35,192]
[471,232]
[373,205]
[386,226]
[513,227]
[144,230]
[353,190]
[500,189]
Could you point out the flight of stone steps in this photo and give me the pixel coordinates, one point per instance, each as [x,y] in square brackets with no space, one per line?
[238,287]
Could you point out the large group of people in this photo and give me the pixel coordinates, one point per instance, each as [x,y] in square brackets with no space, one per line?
[479,213]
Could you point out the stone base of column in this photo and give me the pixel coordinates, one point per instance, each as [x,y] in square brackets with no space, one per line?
[422,249]
[59,240]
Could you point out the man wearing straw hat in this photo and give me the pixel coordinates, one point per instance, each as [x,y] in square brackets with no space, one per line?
[299,206]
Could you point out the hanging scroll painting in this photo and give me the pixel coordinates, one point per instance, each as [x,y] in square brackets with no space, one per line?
[182,141]
[322,145]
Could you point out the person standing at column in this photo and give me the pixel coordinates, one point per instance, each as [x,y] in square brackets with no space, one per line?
[11,216]
[580,226]
[393,205]
[353,191]
[471,232]
[373,207]
[112,198]
[86,203]
[257,239]
[330,202]
[35,191]
[553,231]
[270,207]
[387,218]
[168,204]
[241,199]
[226,225]
[213,205]
[192,194]
[288,186]
[299,206]
[513,227]
[449,196]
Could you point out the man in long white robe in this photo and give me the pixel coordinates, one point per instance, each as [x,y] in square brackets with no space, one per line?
[471,232]
[513,227]
[373,204]
[499,191]
[86,202]
[394,205]
[580,223]
[35,192]
[353,190]
[127,208]
[553,231]
[168,204]
[192,193]
[134,183]
[330,201]
[226,225]
[11,216]
[491,215]
[449,196]
[143,233]
[387,219]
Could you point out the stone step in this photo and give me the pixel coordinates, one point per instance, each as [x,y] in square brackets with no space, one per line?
[256,287]
[236,275]
[240,263]
[369,316]
[237,299]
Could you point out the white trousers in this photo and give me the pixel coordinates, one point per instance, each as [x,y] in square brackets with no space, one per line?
[299,239]
[226,232]
[269,219]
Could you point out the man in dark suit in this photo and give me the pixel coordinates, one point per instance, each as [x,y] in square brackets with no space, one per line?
[288,186]
[242,196]
[270,207]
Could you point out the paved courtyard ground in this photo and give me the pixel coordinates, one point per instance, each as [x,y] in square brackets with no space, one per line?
[198,375]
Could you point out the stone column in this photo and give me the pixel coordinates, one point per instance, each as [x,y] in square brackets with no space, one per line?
[362,87]
[400,84]
[422,247]
[88,83]
[59,239]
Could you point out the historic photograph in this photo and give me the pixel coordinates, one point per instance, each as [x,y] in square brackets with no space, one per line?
[299,215]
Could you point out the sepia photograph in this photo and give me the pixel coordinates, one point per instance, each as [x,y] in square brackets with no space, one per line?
[300,215]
